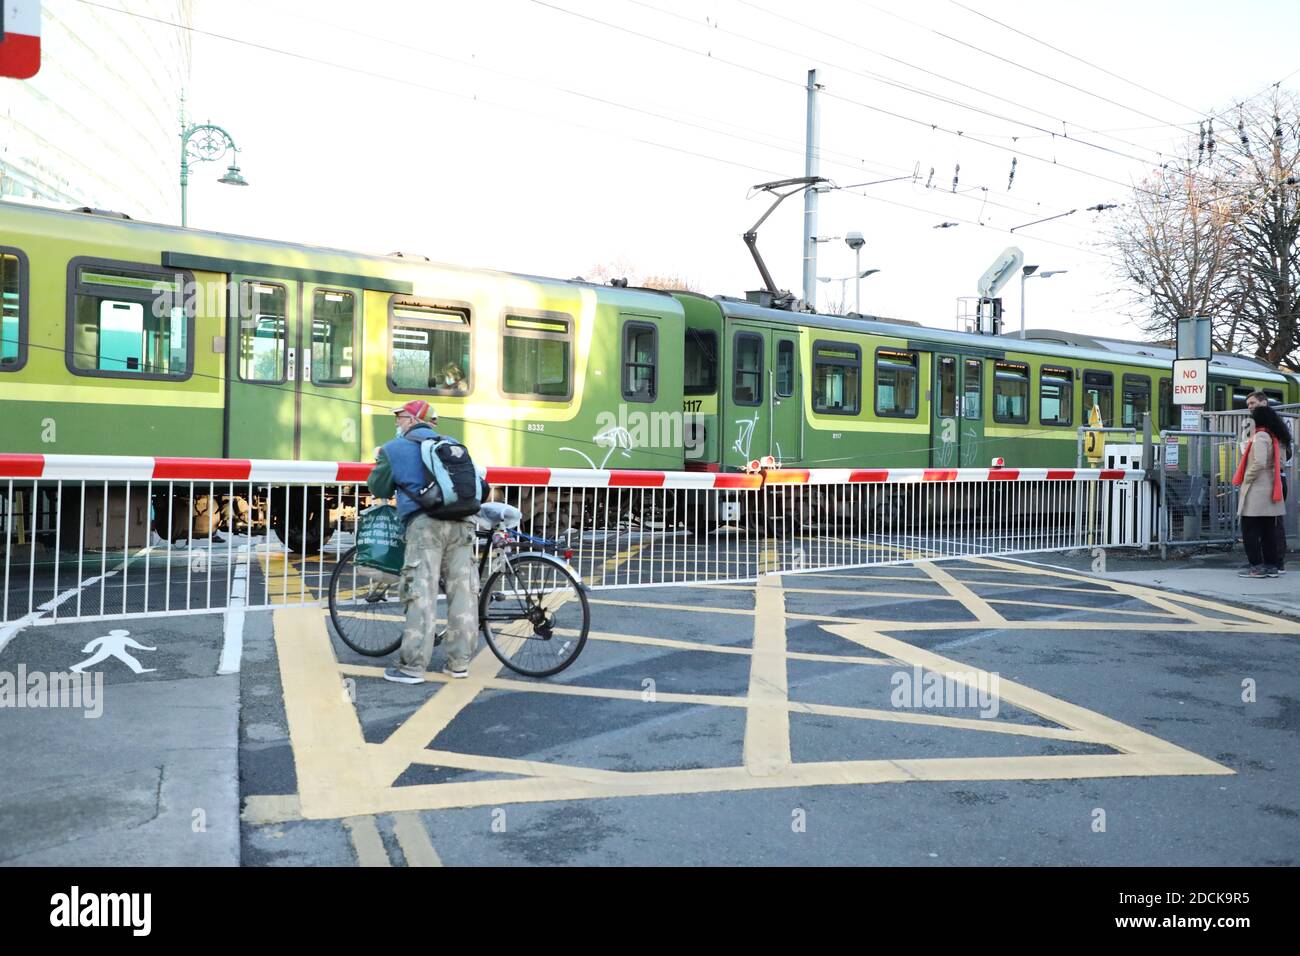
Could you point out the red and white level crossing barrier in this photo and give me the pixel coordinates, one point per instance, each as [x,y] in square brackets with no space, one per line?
[86,536]
[20,38]
[137,468]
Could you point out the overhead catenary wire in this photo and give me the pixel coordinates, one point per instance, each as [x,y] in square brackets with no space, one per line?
[1072,56]
[868,106]
[267,48]
[949,79]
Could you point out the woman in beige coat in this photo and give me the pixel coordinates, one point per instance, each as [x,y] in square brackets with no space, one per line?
[1260,500]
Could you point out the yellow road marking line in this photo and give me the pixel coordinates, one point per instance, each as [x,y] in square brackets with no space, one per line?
[271,808]
[367,841]
[990,725]
[524,768]
[1097,727]
[612,564]
[284,585]
[671,607]
[1276,624]
[575,690]
[433,716]
[414,840]
[1049,625]
[952,597]
[714,780]
[324,730]
[767,722]
[981,608]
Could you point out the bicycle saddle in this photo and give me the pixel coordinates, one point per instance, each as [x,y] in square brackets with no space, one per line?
[495,514]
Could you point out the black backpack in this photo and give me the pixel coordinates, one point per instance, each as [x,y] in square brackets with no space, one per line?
[452,488]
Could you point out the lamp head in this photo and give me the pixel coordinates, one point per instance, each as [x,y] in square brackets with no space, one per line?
[854,241]
[233,177]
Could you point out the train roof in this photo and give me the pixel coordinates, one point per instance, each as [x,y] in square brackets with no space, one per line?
[1044,342]
[630,296]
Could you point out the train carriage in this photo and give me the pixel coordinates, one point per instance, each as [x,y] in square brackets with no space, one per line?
[131,338]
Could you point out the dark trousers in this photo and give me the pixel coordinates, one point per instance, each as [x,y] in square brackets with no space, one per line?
[1259,535]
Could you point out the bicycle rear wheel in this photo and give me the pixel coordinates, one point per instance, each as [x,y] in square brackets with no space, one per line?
[365,609]
[534,615]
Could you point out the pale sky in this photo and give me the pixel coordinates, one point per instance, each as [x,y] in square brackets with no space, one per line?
[513,135]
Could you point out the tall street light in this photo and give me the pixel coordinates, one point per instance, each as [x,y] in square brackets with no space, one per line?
[860,276]
[855,242]
[1028,272]
[204,142]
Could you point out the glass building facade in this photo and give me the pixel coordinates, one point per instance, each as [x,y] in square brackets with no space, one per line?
[99,124]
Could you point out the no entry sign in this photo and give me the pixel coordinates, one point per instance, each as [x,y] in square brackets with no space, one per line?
[1191,381]
[20,38]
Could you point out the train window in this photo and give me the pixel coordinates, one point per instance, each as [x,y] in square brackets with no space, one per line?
[747,385]
[13,309]
[947,387]
[333,317]
[1275,397]
[1137,400]
[896,385]
[1239,395]
[837,378]
[262,331]
[784,384]
[429,347]
[1010,392]
[1099,390]
[537,356]
[1220,398]
[700,376]
[973,387]
[1167,410]
[129,321]
[1055,395]
[640,361]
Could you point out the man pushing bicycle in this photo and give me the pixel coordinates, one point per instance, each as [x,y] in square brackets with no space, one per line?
[435,546]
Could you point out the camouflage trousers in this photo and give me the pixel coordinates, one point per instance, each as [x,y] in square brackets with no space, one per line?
[436,548]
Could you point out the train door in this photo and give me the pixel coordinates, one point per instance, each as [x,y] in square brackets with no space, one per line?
[786,398]
[261,403]
[294,377]
[329,374]
[971,407]
[957,425]
[945,426]
[748,425]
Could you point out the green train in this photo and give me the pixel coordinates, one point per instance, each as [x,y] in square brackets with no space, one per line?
[130,338]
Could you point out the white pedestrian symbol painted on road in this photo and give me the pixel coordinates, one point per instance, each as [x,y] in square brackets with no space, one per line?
[114,644]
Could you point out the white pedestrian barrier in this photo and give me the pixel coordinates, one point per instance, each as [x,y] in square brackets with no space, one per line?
[88,538]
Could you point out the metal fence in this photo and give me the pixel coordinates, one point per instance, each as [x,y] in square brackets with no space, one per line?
[90,538]
[1195,471]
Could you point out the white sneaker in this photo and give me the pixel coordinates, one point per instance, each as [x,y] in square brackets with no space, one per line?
[458,673]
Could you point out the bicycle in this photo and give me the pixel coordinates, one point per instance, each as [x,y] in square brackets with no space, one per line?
[533,610]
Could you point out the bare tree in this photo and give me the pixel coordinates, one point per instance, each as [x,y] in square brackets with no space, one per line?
[1217,233]
[1175,247]
[623,268]
[1263,159]
[672,282]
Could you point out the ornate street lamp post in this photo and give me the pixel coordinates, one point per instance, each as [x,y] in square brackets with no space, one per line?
[204,142]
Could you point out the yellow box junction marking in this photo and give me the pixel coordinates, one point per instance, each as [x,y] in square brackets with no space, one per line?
[342,777]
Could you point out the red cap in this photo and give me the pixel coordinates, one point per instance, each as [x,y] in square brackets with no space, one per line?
[418,409]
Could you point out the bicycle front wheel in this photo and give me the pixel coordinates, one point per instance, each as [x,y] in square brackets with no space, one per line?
[534,615]
[365,609]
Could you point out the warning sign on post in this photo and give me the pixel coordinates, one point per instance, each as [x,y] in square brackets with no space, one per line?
[1191,381]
